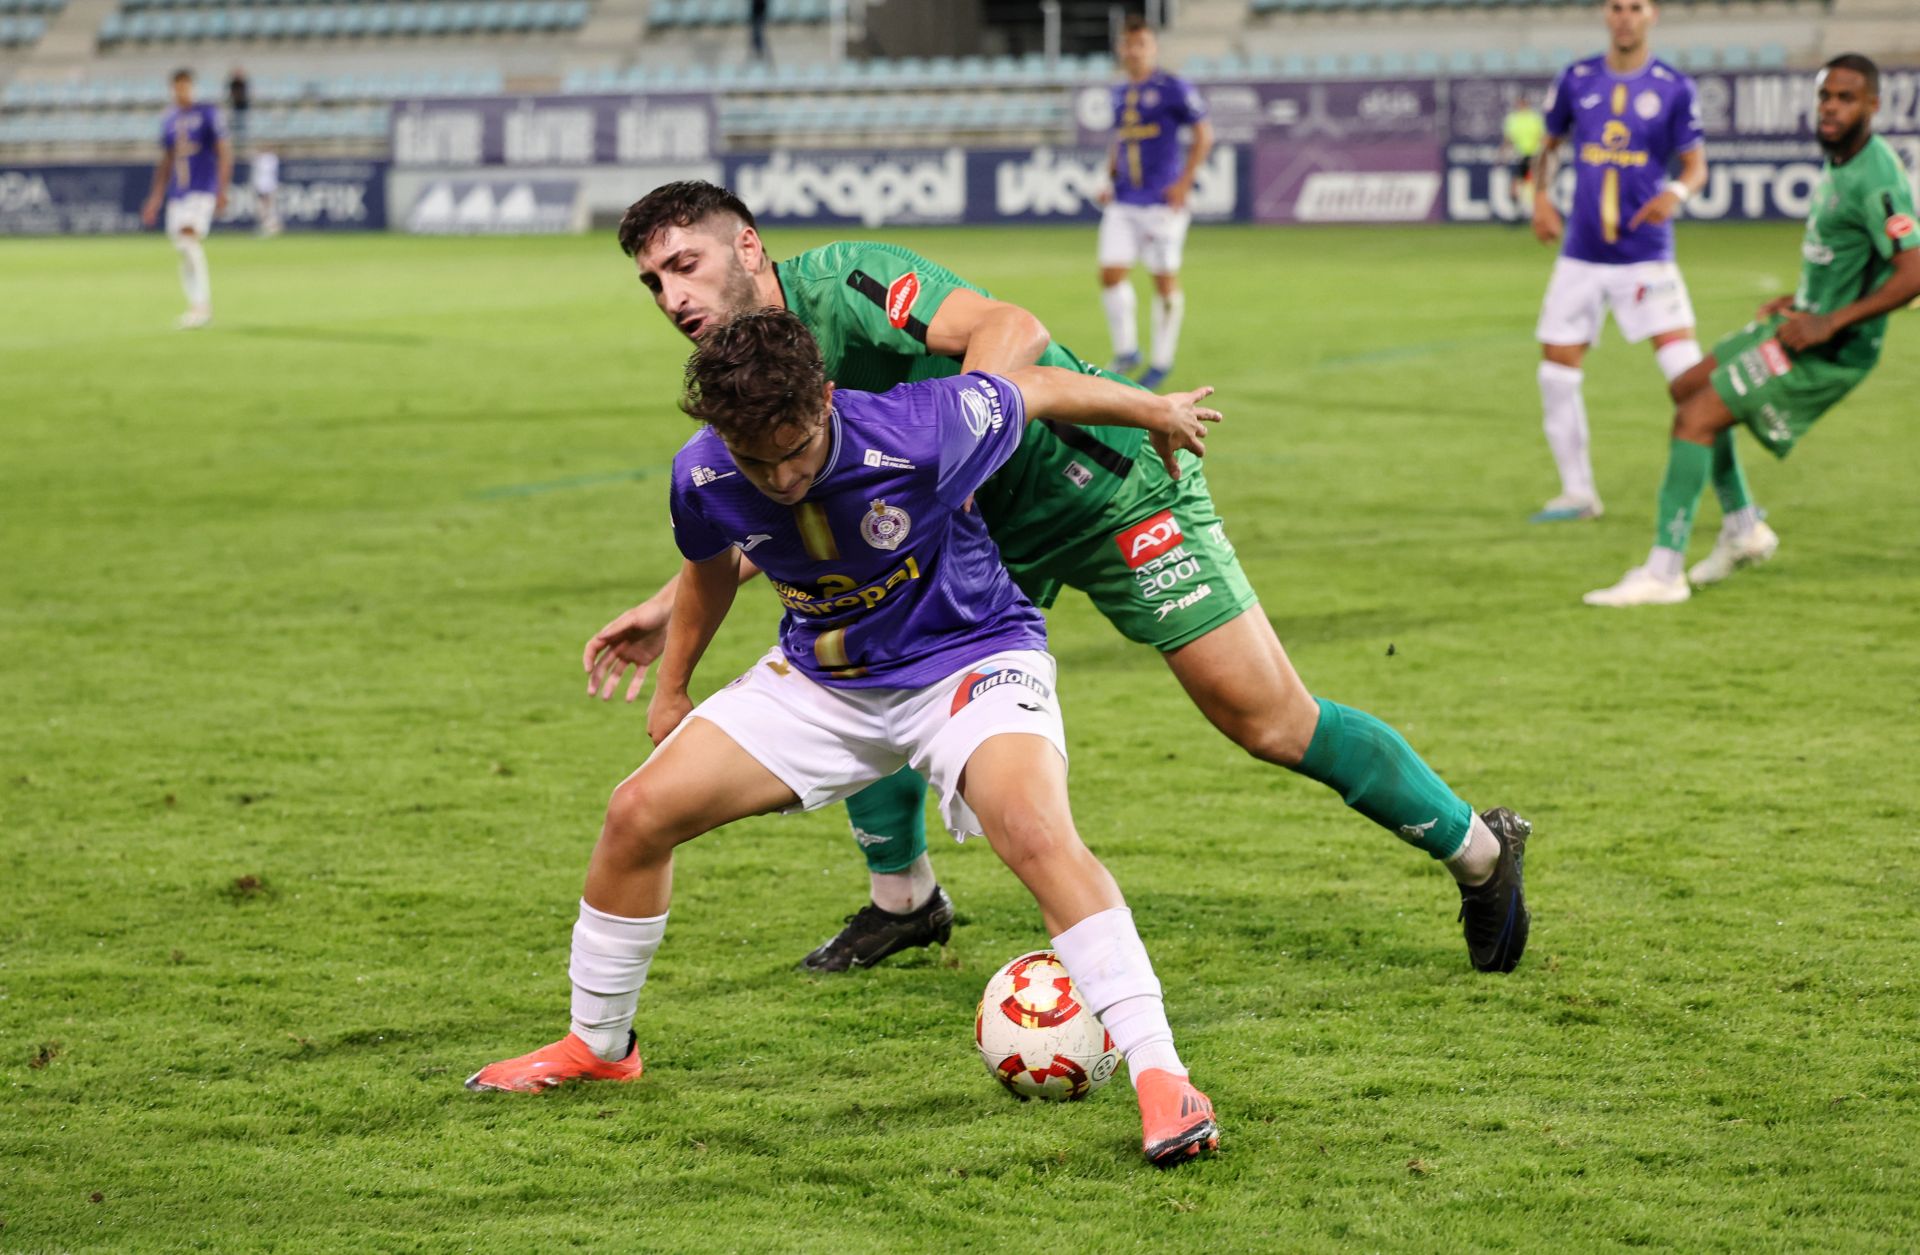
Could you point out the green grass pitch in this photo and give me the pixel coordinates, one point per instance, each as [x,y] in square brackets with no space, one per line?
[298,781]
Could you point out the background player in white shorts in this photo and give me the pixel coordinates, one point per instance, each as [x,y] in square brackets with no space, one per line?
[1146,213]
[1626,117]
[263,172]
[904,641]
[195,168]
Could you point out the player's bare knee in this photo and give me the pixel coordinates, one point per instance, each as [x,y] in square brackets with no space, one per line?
[638,826]
[1033,834]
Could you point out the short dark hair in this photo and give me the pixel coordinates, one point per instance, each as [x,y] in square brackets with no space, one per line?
[680,204]
[182,72]
[1133,25]
[1863,66]
[754,375]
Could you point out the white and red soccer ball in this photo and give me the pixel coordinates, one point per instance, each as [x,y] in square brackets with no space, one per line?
[1037,1037]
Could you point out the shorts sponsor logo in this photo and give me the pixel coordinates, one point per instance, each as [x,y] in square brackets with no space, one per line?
[886,460]
[977,684]
[1899,227]
[1775,356]
[885,526]
[1198,595]
[1779,430]
[1148,539]
[1079,474]
[1219,533]
[1160,576]
[900,296]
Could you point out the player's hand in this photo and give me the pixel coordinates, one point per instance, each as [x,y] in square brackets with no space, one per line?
[1660,209]
[1104,196]
[1185,427]
[634,639]
[1546,220]
[1803,330]
[1778,305]
[219,203]
[150,212]
[667,711]
[1178,193]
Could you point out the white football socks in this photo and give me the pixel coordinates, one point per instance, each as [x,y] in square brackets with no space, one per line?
[194,280]
[1110,968]
[1474,861]
[1678,358]
[906,890]
[1119,302]
[1564,417]
[1666,563]
[1165,316]
[1739,522]
[611,955]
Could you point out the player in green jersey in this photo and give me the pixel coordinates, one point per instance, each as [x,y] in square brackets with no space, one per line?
[1860,260]
[1086,507]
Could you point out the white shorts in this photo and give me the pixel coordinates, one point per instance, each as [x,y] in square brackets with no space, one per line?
[826,744]
[191,212]
[1646,297]
[1154,234]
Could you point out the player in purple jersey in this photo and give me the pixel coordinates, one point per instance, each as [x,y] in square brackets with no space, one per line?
[191,177]
[1626,119]
[1146,214]
[904,641]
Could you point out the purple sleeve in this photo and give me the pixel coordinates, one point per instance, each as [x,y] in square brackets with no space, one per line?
[697,538]
[216,124]
[981,419]
[1559,110]
[1684,127]
[1193,106]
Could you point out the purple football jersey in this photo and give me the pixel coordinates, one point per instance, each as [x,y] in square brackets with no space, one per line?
[194,134]
[887,579]
[1623,134]
[1147,118]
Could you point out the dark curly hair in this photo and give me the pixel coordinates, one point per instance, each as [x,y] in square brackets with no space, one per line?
[1861,65]
[754,375]
[677,205]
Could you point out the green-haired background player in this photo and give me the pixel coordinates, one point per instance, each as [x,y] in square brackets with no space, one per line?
[1860,260]
[1073,506]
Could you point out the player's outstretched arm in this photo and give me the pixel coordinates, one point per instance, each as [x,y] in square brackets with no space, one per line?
[705,595]
[634,639]
[1175,421]
[1805,330]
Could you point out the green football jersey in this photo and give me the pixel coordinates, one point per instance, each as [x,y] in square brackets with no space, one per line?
[869,304]
[1861,215]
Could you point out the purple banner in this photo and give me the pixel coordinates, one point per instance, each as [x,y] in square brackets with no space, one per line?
[1320,180]
[313,195]
[553,131]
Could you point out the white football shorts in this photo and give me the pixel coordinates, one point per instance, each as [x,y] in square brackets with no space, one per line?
[1646,297]
[1154,234]
[826,744]
[192,211]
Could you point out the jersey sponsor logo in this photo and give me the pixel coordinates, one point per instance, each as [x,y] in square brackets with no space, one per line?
[886,461]
[1193,598]
[982,412]
[1078,474]
[704,475]
[885,526]
[977,684]
[838,592]
[900,297]
[1647,105]
[1148,539]
[1899,227]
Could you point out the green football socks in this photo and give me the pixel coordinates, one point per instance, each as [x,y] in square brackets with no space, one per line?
[1729,478]
[1377,772]
[890,821]
[1689,466]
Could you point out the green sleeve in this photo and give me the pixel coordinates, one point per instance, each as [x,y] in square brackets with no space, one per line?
[879,296]
[1888,211]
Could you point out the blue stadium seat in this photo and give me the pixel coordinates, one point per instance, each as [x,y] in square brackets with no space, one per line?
[1771,57]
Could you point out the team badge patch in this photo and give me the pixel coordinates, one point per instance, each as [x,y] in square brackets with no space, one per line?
[885,526]
[976,684]
[1899,227]
[1148,539]
[1647,105]
[900,297]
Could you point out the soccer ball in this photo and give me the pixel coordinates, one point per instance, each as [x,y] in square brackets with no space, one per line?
[1035,1035]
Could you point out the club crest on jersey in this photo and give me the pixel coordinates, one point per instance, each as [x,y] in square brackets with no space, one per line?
[982,412]
[1647,105]
[1148,539]
[976,684]
[900,297]
[885,526]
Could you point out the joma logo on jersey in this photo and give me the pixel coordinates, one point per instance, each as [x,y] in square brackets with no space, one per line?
[977,684]
[1148,539]
[900,297]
